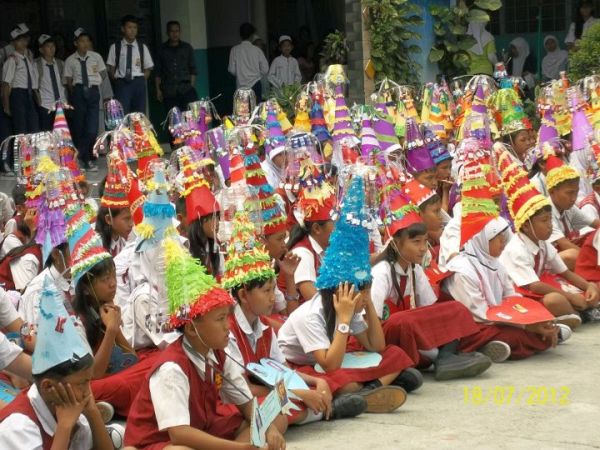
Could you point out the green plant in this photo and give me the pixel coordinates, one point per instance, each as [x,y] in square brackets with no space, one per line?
[390,24]
[584,60]
[335,48]
[450,50]
[286,97]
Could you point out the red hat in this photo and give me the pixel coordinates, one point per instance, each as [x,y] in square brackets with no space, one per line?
[418,193]
[316,199]
[136,200]
[557,172]
[116,187]
[399,212]
[199,200]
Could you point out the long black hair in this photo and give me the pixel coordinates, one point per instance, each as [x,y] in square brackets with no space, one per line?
[199,241]
[103,228]
[298,233]
[579,20]
[86,305]
[329,313]
[391,254]
[64,369]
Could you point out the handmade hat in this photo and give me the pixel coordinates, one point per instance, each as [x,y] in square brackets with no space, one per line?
[263,205]
[85,244]
[191,291]
[547,131]
[316,199]
[418,158]
[58,341]
[440,117]
[398,212]
[317,120]
[342,126]
[158,211]
[383,125]
[368,139]
[282,117]
[524,200]
[478,208]
[558,172]
[136,199]
[275,140]
[146,146]
[117,186]
[418,193]
[347,256]
[302,120]
[582,130]
[247,259]
[508,110]
[438,151]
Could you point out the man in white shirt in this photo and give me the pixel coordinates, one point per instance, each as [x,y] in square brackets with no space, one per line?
[51,88]
[129,64]
[247,62]
[284,69]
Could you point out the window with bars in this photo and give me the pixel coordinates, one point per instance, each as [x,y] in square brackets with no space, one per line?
[521,16]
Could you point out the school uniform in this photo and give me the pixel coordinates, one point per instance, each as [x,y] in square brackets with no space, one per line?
[528,262]
[51,89]
[29,306]
[284,71]
[539,181]
[588,263]
[310,253]
[181,389]
[116,245]
[569,224]
[27,422]
[305,332]
[86,74]
[414,321]
[450,240]
[129,80]
[20,73]
[23,267]
[590,205]
[8,351]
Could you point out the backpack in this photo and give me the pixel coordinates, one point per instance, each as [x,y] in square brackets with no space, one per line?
[141,51]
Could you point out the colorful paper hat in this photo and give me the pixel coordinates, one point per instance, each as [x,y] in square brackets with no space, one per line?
[275,141]
[342,126]
[478,208]
[117,186]
[85,244]
[146,146]
[418,158]
[582,130]
[302,120]
[547,131]
[136,199]
[263,205]
[158,211]
[524,200]
[383,125]
[438,151]
[418,193]
[347,256]
[191,291]
[60,121]
[316,199]
[58,340]
[368,140]
[509,113]
[558,172]
[247,259]
[317,120]
[398,212]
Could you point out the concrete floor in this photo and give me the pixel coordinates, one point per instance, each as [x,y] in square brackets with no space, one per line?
[437,416]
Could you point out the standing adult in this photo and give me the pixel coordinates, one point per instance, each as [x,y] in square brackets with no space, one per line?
[247,62]
[584,19]
[175,70]
[129,64]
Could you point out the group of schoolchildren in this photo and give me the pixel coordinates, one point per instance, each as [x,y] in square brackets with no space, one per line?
[353,251]
[31,88]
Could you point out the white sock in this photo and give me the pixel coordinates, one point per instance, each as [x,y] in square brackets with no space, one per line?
[311,417]
[430,354]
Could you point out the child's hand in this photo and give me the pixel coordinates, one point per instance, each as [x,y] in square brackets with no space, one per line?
[323,388]
[111,316]
[275,440]
[344,302]
[289,263]
[547,330]
[314,400]
[30,219]
[592,294]
[68,408]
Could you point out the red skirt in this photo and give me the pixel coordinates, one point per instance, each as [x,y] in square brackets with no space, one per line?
[394,360]
[121,388]
[553,280]
[428,327]
[522,343]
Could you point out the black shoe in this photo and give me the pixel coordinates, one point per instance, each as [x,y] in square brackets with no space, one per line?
[409,379]
[347,405]
[382,399]
[590,315]
[461,365]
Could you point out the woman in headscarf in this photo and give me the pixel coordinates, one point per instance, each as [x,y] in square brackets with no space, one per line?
[483,53]
[555,60]
[521,62]
[480,282]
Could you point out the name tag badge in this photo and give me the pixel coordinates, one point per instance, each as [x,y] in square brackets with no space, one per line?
[95,68]
[138,63]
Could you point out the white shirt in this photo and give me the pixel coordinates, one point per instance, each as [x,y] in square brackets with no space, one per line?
[136,62]
[586,25]
[24,269]
[574,218]
[8,313]
[17,431]
[14,71]
[170,388]
[284,71]
[45,83]
[253,334]
[590,210]
[306,268]
[539,181]
[518,259]
[382,287]
[143,326]
[94,63]
[305,332]
[248,64]
[29,306]
[8,351]
[449,241]
[11,241]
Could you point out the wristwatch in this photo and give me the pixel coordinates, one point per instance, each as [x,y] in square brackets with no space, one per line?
[343,328]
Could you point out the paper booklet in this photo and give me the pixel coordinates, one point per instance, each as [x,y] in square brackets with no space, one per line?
[357,360]
[269,371]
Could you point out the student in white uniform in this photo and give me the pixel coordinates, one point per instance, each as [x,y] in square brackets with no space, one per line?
[129,64]
[51,87]
[12,358]
[284,70]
